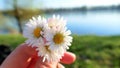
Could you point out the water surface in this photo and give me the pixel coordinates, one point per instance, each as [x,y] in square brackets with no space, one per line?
[83,23]
[93,22]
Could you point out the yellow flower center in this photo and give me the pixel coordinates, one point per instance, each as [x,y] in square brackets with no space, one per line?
[37,31]
[58,38]
[47,48]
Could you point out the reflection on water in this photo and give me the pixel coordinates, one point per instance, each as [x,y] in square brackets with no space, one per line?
[98,23]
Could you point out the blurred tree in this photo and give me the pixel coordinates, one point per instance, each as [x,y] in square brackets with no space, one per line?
[17,15]
[22,10]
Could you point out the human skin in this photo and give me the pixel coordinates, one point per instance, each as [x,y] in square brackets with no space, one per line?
[25,56]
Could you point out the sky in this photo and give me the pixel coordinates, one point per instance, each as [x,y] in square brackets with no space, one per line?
[78,3]
[6,4]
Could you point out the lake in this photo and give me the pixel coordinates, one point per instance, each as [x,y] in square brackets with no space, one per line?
[92,22]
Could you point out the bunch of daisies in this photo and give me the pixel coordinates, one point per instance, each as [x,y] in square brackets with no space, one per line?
[50,37]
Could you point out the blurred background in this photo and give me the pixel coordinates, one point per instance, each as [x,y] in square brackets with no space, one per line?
[95,26]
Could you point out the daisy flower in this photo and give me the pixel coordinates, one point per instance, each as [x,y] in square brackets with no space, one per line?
[34,30]
[48,55]
[50,37]
[56,21]
[58,36]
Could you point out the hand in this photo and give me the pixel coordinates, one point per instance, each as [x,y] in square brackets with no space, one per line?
[26,57]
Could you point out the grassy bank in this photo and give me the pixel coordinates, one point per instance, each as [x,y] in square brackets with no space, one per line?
[91,51]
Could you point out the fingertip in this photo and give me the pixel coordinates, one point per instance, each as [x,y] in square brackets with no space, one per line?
[28,49]
[68,58]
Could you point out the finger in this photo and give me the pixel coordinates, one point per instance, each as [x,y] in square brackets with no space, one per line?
[41,64]
[68,58]
[20,58]
[60,65]
[32,62]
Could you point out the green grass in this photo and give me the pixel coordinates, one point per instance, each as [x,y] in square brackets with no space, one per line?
[91,51]
[11,40]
